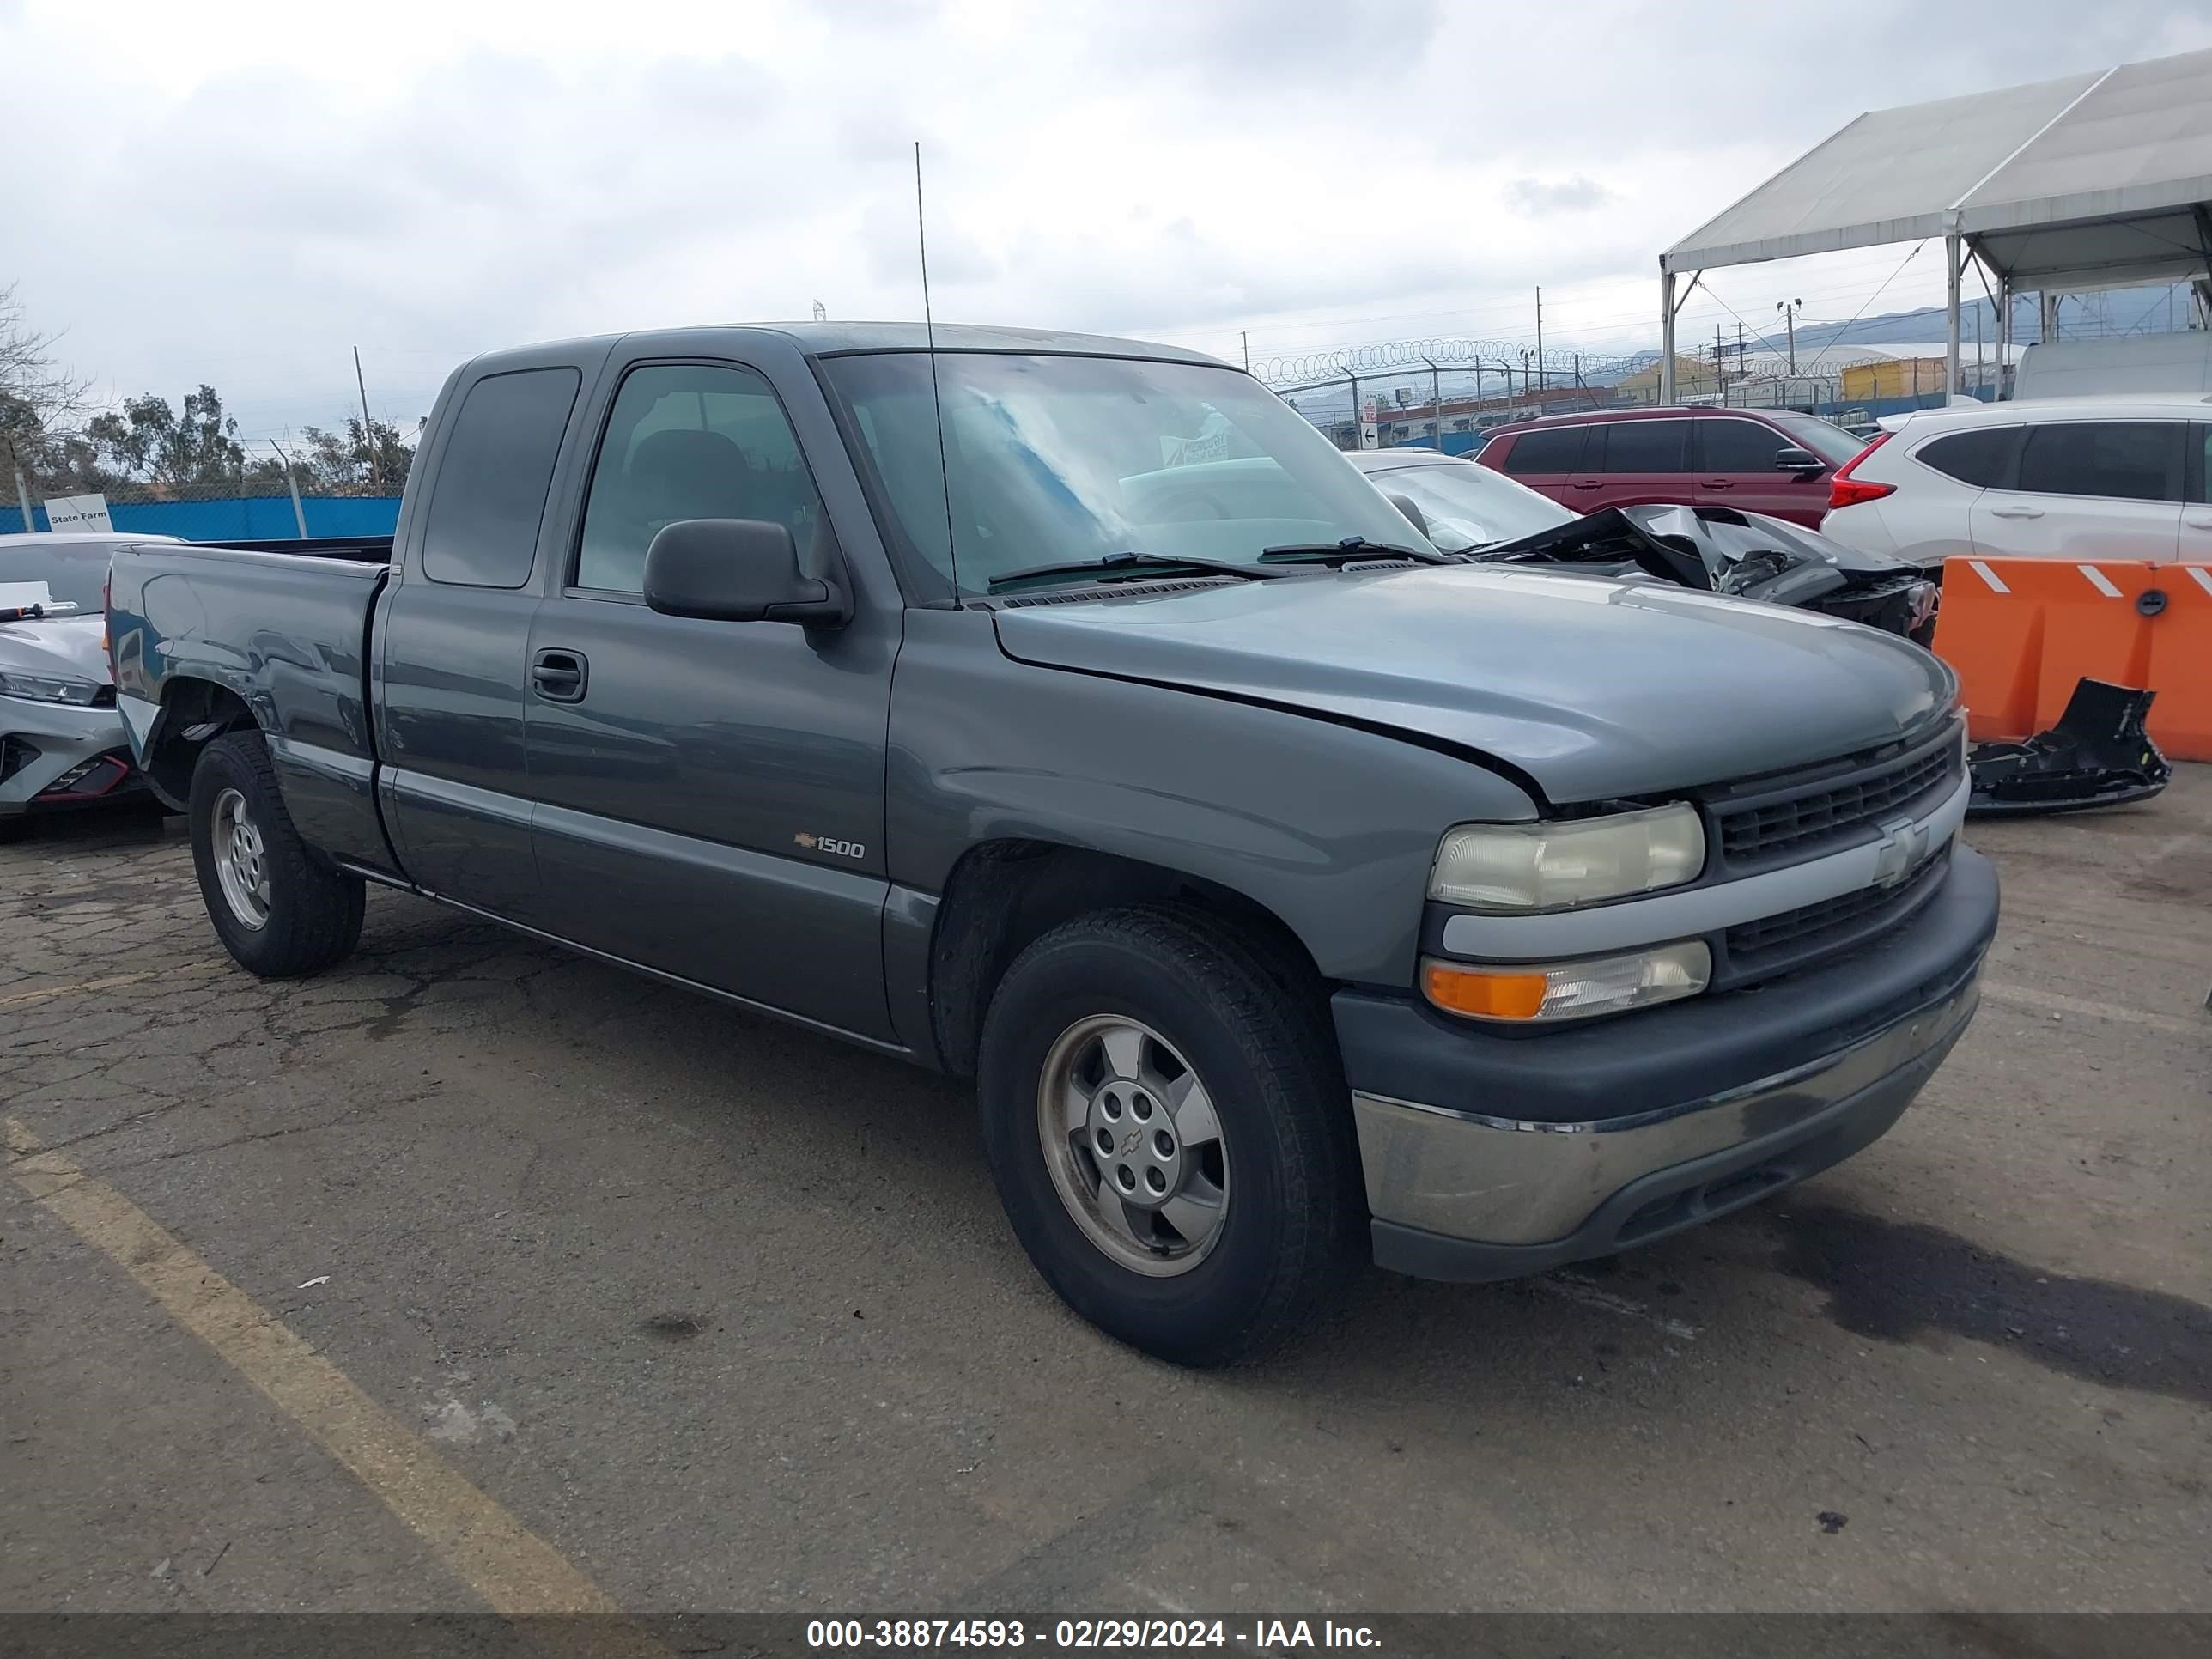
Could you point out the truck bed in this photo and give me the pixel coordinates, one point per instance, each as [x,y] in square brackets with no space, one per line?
[368,550]
[283,630]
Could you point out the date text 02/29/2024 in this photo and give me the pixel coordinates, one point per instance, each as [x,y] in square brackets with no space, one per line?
[1255,1636]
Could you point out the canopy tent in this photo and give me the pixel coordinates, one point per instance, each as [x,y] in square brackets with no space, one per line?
[2100,180]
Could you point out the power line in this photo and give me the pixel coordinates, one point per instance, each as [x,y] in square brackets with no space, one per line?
[1870,299]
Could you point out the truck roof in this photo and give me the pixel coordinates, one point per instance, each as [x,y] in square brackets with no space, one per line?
[832,339]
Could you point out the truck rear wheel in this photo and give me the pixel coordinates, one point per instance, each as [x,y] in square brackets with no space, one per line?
[1166,1120]
[280,911]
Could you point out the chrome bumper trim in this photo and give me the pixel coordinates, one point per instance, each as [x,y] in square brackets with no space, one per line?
[1508,1181]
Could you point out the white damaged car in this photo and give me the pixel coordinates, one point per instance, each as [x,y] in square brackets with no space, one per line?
[62,742]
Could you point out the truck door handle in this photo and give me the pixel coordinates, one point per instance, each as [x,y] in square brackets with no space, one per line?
[1715,483]
[2015,512]
[1588,483]
[559,676]
[2200,524]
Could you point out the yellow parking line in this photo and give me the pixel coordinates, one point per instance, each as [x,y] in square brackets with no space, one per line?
[47,993]
[518,1573]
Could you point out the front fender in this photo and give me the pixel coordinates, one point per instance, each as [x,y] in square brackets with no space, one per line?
[1329,827]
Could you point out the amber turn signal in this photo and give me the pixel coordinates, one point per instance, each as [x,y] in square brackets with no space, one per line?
[1486,994]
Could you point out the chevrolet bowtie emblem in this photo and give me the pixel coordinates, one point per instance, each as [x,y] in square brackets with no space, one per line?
[1903,845]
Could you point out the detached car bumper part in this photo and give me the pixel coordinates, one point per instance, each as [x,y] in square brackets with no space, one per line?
[1491,1156]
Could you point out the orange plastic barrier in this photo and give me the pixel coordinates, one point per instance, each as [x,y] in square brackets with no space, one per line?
[2021,632]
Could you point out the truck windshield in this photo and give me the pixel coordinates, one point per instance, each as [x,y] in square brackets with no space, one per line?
[1052,459]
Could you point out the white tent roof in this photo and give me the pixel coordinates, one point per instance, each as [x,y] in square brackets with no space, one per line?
[2096,179]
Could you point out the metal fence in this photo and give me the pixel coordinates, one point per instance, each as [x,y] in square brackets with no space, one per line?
[1451,394]
[262,498]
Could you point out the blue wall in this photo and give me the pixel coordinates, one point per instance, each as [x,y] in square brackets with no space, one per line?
[1456,443]
[253,518]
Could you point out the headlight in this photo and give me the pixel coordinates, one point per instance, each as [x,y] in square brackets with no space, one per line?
[1556,867]
[1526,992]
[46,687]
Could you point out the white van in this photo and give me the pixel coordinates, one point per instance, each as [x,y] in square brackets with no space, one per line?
[2081,478]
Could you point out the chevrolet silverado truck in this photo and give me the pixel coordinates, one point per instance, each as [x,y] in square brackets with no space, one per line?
[1066,713]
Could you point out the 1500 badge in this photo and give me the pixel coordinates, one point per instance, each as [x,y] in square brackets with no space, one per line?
[831,845]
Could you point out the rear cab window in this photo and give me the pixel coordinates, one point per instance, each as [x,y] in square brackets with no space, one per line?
[492,475]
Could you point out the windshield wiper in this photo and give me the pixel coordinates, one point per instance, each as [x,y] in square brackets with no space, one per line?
[1129,564]
[1337,554]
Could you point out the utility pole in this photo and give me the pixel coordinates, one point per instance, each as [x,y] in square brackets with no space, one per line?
[292,483]
[22,492]
[1790,308]
[1245,335]
[367,431]
[1525,376]
[1540,334]
[1720,365]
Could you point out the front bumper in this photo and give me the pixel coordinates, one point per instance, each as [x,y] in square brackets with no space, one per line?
[45,741]
[1490,1155]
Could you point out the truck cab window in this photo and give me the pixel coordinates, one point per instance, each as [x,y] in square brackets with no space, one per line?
[493,477]
[690,440]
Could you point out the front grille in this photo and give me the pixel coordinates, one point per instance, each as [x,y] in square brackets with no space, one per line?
[1776,945]
[1760,829]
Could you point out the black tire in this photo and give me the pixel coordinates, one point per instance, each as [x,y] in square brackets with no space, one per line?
[315,912]
[1255,1029]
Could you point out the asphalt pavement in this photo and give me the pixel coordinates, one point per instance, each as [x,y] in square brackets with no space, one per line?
[474,1274]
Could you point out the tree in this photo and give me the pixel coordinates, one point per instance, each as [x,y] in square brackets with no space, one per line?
[36,399]
[342,460]
[149,440]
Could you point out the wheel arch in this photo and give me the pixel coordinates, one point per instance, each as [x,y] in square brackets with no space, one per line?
[192,712]
[1004,894]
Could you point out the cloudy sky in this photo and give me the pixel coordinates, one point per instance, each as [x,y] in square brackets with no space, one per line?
[239,192]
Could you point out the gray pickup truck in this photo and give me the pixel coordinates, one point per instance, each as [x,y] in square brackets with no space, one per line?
[1066,713]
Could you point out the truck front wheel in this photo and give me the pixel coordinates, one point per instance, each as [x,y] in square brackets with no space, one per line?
[280,911]
[1166,1120]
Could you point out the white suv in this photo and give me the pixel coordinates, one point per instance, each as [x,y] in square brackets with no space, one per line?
[2074,479]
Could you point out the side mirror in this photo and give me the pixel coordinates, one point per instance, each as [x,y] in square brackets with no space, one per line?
[1791,459]
[737,570]
[1404,504]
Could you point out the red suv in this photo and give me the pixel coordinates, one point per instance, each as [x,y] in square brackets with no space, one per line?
[1762,460]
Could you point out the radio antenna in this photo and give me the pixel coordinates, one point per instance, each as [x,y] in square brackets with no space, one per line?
[936,392]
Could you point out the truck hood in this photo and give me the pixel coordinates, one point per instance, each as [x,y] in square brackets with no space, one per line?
[1593,688]
[60,645]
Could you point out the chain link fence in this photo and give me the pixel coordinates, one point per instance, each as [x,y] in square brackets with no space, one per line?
[1451,393]
[271,493]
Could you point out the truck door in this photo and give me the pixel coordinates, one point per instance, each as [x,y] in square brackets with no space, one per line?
[710,795]
[453,632]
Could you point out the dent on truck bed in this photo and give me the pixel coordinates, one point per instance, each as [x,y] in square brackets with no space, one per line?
[204,638]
